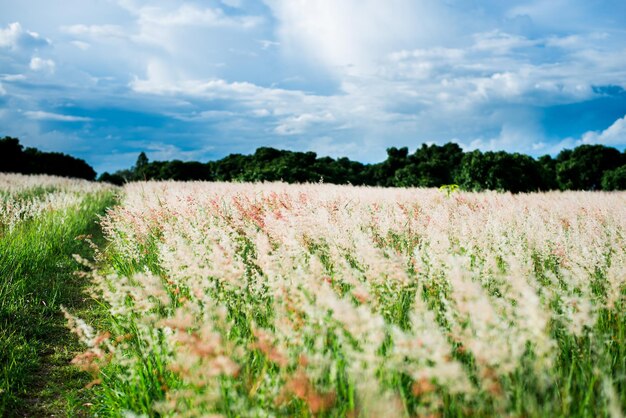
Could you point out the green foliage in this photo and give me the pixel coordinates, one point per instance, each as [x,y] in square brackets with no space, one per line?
[448,189]
[583,168]
[614,179]
[36,278]
[501,171]
[429,166]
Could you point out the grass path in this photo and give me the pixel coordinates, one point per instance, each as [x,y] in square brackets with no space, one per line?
[38,277]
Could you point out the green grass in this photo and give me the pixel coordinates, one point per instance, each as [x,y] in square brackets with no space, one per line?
[36,278]
[585,366]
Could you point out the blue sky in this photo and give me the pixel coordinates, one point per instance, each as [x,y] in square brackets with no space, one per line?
[196,80]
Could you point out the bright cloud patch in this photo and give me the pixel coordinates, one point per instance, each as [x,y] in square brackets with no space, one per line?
[56,117]
[613,135]
[15,37]
[41,64]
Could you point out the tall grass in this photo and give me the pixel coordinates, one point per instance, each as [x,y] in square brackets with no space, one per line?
[275,300]
[36,270]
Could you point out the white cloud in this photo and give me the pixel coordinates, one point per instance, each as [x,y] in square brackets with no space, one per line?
[83,46]
[164,79]
[514,136]
[261,113]
[3,92]
[41,64]
[161,151]
[578,41]
[424,94]
[613,135]
[186,14]
[349,36]
[56,117]
[266,44]
[15,37]
[329,146]
[499,42]
[12,77]
[301,123]
[95,31]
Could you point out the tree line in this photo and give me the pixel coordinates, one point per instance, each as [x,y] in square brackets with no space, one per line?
[14,158]
[586,167]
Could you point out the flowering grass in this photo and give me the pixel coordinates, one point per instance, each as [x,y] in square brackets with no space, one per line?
[40,219]
[252,300]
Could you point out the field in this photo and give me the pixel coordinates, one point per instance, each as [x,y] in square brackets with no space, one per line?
[254,300]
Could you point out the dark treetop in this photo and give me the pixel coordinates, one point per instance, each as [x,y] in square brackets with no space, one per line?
[586,167]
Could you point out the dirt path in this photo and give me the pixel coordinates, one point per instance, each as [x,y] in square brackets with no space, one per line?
[57,388]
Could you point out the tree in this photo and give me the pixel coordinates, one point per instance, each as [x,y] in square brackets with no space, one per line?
[614,179]
[11,155]
[430,166]
[473,171]
[500,171]
[141,167]
[14,158]
[115,178]
[583,168]
[383,174]
[548,172]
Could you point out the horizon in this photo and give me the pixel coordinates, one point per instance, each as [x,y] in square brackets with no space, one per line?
[198,80]
[317,155]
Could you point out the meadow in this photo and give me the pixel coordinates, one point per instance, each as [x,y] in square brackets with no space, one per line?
[268,299]
[42,219]
[261,300]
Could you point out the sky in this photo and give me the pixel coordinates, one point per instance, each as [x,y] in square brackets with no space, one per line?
[198,79]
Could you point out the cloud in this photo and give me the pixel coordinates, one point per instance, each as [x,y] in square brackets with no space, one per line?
[81,45]
[353,77]
[12,77]
[193,15]
[521,135]
[301,123]
[15,37]
[349,36]
[499,42]
[327,145]
[148,15]
[95,31]
[266,44]
[476,75]
[162,79]
[613,135]
[55,117]
[3,92]
[41,64]
[162,151]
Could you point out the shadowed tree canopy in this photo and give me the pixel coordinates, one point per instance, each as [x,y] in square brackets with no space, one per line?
[430,166]
[583,167]
[586,167]
[614,179]
[15,159]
